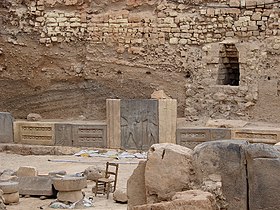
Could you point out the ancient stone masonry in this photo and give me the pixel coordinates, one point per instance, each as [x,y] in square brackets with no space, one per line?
[192,40]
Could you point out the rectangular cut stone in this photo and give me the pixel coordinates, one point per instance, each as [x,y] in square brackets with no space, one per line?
[190,137]
[40,133]
[257,135]
[36,185]
[63,134]
[6,127]
[167,109]
[139,123]
[113,123]
[89,135]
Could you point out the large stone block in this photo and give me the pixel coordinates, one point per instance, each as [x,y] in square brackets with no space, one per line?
[191,137]
[187,200]
[113,123]
[63,134]
[89,135]
[27,171]
[167,110]
[136,190]
[36,185]
[69,183]
[71,196]
[224,159]
[257,135]
[168,170]
[9,187]
[6,127]
[263,162]
[11,198]
[40,133]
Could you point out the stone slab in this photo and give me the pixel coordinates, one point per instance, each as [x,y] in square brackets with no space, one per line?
[63,134]
[72,196]
[225,159]
[167,109]
[11,198]
[89,135]
[263,165]
[113,123]
[27,171]
[191,137]
[69,183]
[6,127]
[36,185]
[136,190]
[37,133]
[9,187]
[257,135]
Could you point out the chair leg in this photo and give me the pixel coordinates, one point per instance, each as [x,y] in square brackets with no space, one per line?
[96,187]
[108,189]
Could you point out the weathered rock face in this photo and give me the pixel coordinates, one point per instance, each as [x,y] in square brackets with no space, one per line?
[69,183]
[168,170]
[2,205]
[94,173]
[223,160]
[187,200]
[120,196]
[9,187]
[70,196]
[27,171]
[33,117]
[136,190]
[11,198]
[263,162]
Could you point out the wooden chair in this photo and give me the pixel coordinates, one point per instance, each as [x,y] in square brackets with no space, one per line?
[107,184]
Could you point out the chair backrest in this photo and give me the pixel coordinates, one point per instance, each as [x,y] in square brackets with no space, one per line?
[112,169]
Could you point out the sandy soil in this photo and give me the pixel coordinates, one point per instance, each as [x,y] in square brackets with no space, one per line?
[44,165]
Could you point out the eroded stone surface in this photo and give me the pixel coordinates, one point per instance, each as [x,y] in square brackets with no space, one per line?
[9,187]
[94,173]
[27,171]
[136,190]
[186,200]
[69,183]
[70,196]
[11,198]
[120,196]
[168,170]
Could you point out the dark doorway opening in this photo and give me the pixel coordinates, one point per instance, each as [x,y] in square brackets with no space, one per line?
[229,73]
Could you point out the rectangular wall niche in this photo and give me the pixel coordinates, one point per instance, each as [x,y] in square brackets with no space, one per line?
[228,73]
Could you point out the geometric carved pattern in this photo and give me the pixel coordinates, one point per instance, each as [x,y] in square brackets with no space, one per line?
[257,136]
[190,137]
[89,135]
[34,133]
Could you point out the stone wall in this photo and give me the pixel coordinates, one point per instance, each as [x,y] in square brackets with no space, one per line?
[183,38]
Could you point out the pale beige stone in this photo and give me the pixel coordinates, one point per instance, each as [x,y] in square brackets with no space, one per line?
[34,117]
[69,183]
[94,173]
[159,94]
[168,170]
[27,171]
[10,198]
[167,120]
[120,196]
[186,200]
[136,190]
[70,196]
[113,123]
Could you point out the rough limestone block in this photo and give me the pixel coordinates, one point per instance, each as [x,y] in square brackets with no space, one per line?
[120,196]
[63,134]
[89,135]
[166,161]
[225,159]
[11,198]
[257,135]
[186,200]
[40,133]
[136,190]
[113,123]
[27,171]
[167,109]
[36,185]
[69,183]
[6,127]
[9,187]
[70,196]
[93,173]
[263,162]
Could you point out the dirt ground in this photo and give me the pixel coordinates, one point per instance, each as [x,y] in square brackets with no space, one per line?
[44,165]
